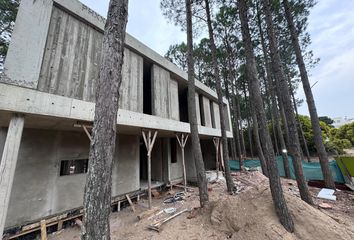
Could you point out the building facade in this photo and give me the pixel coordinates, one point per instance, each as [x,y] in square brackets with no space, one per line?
[47,95]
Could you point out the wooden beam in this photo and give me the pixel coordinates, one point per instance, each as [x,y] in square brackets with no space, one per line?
[182,143]
[43,230]
[130,203]
[8,164]
[87,132]
[149,143]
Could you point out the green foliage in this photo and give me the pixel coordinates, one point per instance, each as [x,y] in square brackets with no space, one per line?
[327,120]
[335,140]
[8,12]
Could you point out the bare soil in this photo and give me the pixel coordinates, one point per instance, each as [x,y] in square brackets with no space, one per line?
[248,215]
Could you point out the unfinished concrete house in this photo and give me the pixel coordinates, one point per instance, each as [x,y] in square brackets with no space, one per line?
[47,94]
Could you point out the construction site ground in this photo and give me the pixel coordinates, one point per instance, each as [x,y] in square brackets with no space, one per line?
[249,214]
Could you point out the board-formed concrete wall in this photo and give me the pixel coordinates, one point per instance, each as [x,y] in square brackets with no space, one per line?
[174,101]
[164,94]
[72,59]
[39,191]
[216,115]
[206,112]
[160,89]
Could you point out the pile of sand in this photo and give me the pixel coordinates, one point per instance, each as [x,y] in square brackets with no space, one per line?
[251,215]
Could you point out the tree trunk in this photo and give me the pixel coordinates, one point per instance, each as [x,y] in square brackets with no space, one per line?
[274,109]
[321,150]
[237,125]
[254,89]
[294,145]
[97,199]
[259,149]
[229,181]
[192,113]
[302,135]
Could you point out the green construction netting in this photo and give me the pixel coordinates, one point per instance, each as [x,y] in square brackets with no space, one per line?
[312,171]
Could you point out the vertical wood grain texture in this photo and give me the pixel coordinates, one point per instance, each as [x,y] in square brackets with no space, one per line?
[71,63]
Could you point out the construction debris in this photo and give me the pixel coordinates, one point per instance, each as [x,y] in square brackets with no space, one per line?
[156,226]
[327,193]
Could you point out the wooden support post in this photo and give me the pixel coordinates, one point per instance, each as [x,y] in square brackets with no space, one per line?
[149,143]
[182,143]
[221,157]
[217,147]
[130,202]
[8,164]
[87,132]
[60,225]
[43,230]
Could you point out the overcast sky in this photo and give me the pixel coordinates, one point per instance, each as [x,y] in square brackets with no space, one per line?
[331,25]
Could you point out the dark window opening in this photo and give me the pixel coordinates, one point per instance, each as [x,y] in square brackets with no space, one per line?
[173,143]
[183,105]
[147,88]
[213,125]
[72,167]
[201,107]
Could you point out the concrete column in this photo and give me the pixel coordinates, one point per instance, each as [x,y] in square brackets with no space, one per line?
[8,165]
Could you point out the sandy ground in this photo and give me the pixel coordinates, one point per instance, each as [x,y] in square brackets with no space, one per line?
[248,215]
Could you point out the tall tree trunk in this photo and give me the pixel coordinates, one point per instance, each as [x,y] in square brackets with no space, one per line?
[192,113]
[229,181]
[227,94]
[254,89]
[259,149]
[302,135]
[242,136]
[274,109]
[250,142]
[321,150]
[97,199]
[237,125]
[294,144]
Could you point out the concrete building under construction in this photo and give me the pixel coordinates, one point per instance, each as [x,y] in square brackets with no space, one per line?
[47,94]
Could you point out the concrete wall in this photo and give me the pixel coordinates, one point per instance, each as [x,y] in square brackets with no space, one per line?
[72,59]
[175,169]
[206,112]
[197,106]
[39,191]
[216,115]
[160,92]
[174,101]
[209,158]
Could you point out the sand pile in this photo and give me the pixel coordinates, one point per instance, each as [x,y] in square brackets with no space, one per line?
[251,215]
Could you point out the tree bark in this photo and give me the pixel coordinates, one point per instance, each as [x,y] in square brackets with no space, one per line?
[254,89]
[294,144]
[237,125]
[97,199]
[302,135]
[192,113]
[321,150]
[229,181]
[274,109]
[257,141]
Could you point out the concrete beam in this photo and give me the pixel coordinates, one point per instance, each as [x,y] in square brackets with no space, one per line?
[23,100]
[8,165]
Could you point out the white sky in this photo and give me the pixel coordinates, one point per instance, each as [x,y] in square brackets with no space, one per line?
[331,25]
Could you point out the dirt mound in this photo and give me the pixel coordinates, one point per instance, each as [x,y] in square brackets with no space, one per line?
[251,215]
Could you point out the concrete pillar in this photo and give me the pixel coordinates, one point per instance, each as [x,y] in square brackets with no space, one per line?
[8,165]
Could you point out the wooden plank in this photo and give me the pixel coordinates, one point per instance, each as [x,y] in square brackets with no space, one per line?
[43,230]
[60,225]
[130,203]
